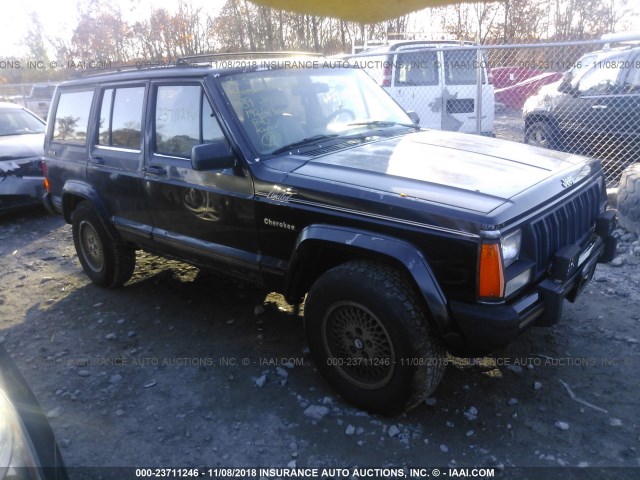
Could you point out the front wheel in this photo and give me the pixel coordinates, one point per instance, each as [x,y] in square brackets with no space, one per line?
[106,262]
[371,339]
[629,199]
[540,134]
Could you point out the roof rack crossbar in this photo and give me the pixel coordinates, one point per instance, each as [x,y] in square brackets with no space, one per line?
[206,56]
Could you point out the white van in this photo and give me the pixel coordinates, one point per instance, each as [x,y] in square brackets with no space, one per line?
[436,79]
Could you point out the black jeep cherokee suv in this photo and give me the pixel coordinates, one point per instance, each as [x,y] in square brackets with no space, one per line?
[310,180]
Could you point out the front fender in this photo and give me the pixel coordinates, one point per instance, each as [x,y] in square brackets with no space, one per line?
[371,245]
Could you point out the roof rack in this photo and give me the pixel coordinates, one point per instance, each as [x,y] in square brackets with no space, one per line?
[624,38]
[187,59]
[111,69]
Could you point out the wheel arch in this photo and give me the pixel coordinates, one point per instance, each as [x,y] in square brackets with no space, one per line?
[539,116]
[324,246]
[75,192]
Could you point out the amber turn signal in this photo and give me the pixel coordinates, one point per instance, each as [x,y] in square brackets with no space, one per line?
[490,275]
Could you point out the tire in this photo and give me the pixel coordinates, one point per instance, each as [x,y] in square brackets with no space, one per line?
[629,199]
[541,134]
[107,263]
[370,337]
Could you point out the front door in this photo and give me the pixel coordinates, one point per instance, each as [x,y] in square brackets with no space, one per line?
[207,216]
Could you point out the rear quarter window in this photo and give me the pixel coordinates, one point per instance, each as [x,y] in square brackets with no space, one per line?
[71,119]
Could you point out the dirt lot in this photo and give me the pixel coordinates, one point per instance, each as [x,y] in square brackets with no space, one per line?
[181,369]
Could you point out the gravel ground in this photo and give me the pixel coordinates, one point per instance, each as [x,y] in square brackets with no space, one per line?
[181,369]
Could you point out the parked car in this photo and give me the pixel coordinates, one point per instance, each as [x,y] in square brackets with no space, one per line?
[513,85]
[594,110]
[21,148]
[28,449]
[39,100]
[314,183]
[437,80]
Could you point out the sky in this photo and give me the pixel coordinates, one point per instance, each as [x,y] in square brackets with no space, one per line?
[59,17]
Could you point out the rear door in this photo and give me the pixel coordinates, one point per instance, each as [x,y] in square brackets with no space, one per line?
[205,216]
[462,102]
[416,84]
[116,156]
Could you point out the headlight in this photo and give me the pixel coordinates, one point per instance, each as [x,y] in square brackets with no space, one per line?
[510,246]
[18,458]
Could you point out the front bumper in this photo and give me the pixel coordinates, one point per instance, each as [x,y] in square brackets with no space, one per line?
[486,327]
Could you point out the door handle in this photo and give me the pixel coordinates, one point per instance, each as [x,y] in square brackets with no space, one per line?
[97,160]
[599,107]
[155,170]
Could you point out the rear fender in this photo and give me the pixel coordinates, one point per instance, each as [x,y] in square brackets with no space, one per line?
[75,191]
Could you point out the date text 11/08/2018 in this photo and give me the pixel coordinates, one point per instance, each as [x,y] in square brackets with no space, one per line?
[221,473]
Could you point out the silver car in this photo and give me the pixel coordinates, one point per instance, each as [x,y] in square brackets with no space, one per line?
[21,143]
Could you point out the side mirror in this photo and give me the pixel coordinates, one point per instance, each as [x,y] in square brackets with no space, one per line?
[216,155]
[565,87]
[414,117]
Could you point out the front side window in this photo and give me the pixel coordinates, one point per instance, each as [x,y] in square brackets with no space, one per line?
[183,118]
[72,117]
[121,118]
[602,77]
[632,82]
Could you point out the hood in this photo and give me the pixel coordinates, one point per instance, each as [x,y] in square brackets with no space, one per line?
[466,172]
[14,147]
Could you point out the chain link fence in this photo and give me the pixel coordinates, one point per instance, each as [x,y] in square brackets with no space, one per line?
[577,97]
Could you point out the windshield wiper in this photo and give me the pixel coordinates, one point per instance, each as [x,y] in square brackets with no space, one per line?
[383,123]
[303,142]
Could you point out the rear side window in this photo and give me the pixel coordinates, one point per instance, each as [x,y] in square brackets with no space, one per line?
[121,117]
[184,118]
[461,67]
[72,117]
[417,69]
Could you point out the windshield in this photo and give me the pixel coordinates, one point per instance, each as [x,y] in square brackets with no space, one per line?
[277,108]
[19,122]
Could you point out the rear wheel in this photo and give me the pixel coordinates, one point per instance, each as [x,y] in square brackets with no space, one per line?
[106,263]
[370,337]
[540,134]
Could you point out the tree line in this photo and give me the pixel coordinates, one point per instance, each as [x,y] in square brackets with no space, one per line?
[103,32]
